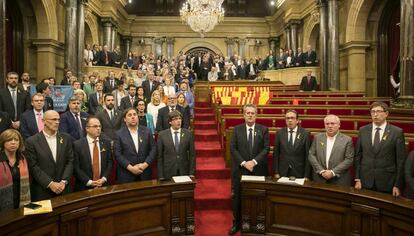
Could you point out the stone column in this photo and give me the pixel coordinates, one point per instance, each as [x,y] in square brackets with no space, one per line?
[170,48]
[113,38]
[230,46]
[406,99]
[3,69]
[323,43]
[107,32]
[157,46]
[356,73]
[81,35]
[333,45]
[288,38]
[126,46]
[242,47]
[294,34]
[46,51]
[70,36]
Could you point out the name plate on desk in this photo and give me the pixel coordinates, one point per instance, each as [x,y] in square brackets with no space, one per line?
[182,179]
[45,206]
[286,180]
[252,178]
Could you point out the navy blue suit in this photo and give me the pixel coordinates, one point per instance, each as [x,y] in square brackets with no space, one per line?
[69,125]
[28,124]
[83,161]
[126,153]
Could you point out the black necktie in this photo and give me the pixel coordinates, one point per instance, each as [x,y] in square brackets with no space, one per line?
[290,141]
[250,140]
[377,139]
[176,142]
[79,124]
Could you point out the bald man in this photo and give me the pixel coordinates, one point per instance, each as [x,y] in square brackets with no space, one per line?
[50,158]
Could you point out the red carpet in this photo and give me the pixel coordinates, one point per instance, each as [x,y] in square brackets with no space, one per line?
[213,212]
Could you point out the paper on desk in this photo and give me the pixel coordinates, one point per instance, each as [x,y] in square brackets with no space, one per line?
[46,208]
[286,180]
[182,179]
[253,178]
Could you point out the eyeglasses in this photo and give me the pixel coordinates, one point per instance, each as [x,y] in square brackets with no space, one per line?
[377,111]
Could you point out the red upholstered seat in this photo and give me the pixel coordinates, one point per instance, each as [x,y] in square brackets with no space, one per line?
[347,124]
[313,123]
[231,110]
[265,122]
[273,111]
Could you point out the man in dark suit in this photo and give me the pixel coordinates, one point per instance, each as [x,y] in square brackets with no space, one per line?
[110,83]
[252,69]
[163,121]
[149,85]
[92,157]
[25,82]
[249,148]
[50,159]
[299,58]
[105,57]
[309,57]
[95,99]
[134,150]
[308,83]
[331,154]
[128,101]
[176,151]
[73,122]
[5,121]
[13,100]
[31,121]
[44,89]
[242,70]
[117,57]
[110,118]
[291,149]
[380,154]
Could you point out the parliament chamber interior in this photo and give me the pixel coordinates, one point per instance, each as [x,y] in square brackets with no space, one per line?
[206,117]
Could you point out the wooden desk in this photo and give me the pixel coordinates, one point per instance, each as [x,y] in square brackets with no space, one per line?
[290,76]
[320,209]
[141,208]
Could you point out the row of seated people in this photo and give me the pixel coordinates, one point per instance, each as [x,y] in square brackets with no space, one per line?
[379,159]
[50,157]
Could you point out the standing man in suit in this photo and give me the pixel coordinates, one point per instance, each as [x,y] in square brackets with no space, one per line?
[128,101]
[50,159]
[331,154]
[309,57]
[134,150]
[95,99]
[176,151]
[31,121]
[73,122]
[163,120]
[25,82]
[308,82]
[291,149]
[110,118]
[149,85]
[13,100]
[105,57]
[249,148]
[380,154]
[110,83]
[44,89]
[92,157]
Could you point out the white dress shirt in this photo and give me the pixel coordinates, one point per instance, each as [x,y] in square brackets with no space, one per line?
[374,130]
[329,146]
[134,135]
[173,134]
[52,142]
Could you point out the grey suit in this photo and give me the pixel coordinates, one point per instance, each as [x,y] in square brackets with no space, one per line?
[170,163]
[110,126]
[383,169]
[339,162]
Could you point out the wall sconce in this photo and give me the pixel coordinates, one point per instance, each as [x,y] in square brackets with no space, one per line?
[257,43]
[141,41]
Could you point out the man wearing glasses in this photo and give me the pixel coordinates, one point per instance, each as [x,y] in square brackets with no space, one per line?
[92,157]
[380,154]
[50,159]
[163,121]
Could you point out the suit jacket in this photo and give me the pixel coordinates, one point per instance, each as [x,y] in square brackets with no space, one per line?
[296,157]
[48,104]
[169,161]
[339,162]
[242,71]
[5,121]
[239,149]
[384,168]
[312,85]
[107,86]
[44,169]
[110,126]
[102,61]
[6,102]
[126,153]
[126,103]
[115,93]
[69,125]
[93,103]
[83,161]
[309,57]
[147,90]
[409,175]
[162,120]
[28,124]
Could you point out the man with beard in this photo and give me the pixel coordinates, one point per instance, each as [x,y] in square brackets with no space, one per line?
[109,118]
[73,122]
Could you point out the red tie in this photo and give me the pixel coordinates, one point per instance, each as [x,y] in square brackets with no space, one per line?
[95,161]
[106,57]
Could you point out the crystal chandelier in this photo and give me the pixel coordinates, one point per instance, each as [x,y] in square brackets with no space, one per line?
[202,15]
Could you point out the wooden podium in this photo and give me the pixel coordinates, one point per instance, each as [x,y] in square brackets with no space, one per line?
[140,208]
[271,208]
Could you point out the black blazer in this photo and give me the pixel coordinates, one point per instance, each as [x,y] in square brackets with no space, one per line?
[162,120]
[44,169]
[110,126]
[309,57]
[48,104]
[28,124]
[107,86]
[312,85]
[93,103]
[101,59]
[83,161]
[169,161]
[5,121]
[68,125]
[384,167]
[409,175]
[6,102]
[125,153]
[126,103]
[296,157]
[239,149]
[146,87]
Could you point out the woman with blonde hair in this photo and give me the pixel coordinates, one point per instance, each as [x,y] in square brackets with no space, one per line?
[84,99]
[155,105]
[169,87]
[14,171]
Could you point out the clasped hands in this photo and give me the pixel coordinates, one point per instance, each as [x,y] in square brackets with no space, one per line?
[249,165]
[137,168]
[57,187]
[327,174]
[97,183]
